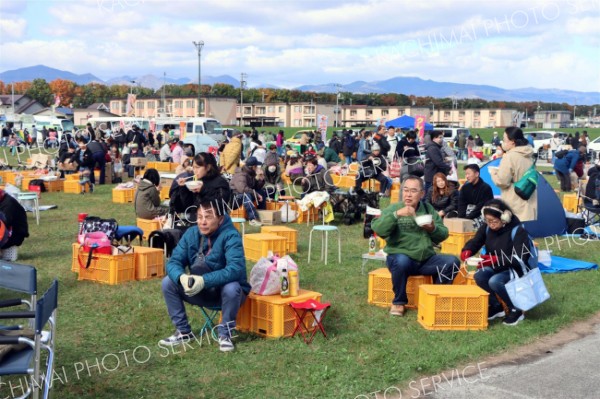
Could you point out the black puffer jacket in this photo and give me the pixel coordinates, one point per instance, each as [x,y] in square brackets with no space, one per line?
[435,162]
[16,220]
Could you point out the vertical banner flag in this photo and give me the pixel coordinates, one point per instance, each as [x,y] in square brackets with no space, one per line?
[420,127]
[130,110]
[322,127]
[56,100]
[181,130]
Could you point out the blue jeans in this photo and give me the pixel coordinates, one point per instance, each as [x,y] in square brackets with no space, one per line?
[494,283]
[443,269]
[246,200]
[229,298]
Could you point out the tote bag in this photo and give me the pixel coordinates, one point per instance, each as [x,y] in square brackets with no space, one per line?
[527,291]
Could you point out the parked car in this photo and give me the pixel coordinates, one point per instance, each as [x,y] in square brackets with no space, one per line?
[594,145]
[295,139]
[543,138]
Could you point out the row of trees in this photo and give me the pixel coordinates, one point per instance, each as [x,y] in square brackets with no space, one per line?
[81,96]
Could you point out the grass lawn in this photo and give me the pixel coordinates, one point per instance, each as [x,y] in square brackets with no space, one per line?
[107,335]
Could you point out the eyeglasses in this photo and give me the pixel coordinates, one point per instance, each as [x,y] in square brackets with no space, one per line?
[412,190]
[493,222]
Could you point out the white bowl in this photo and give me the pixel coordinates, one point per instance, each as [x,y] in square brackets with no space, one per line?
[50,178]
[473,261]
[423,220]
[193,185]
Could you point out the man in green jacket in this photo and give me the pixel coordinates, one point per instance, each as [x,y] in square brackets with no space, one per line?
[410,246]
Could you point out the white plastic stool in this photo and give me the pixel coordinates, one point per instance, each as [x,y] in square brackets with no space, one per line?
[31,196]
[241,221]
[325,229]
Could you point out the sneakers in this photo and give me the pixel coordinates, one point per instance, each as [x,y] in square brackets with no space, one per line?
[255,223]
[225,344]
[397,310]
[494,313]
[177,338]
[514,317]
[92,188]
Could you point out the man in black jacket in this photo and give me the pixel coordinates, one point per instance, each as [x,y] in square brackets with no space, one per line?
[380,138]
[335,144]
[435,159]
[473,195]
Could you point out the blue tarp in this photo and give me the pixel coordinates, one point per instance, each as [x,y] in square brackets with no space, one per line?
[564,265]
[406,122]
[551,215]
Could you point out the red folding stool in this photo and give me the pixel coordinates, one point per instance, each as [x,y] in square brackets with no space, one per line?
[310,306]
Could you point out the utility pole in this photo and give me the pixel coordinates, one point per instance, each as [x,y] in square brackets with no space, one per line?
[242,85]
[337,102]
[199,46]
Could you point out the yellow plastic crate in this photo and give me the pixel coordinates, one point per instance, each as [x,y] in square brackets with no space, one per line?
[74,262]
[163,166]
[381,293]
[73,186]
[274,206]
[149,263]
[148,226]
[109,269]
[569,202]
[54,186]
[394,196]
[345,181]
[290,235]
[244,316]
[10,177]
[273,317]
[354,167]
[238,213]
[258,245]
[123,196]
[164,192]
[311,213]
[72,176]
[464,277]
[452,307]
[374,185]
[455,242]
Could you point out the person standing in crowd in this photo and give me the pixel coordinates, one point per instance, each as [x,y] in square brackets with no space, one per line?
[349,146]
[99,156]
[478,140]
[518,158]
[165,151]
[177,153]
[461,143]
[364,147]
[470,144]
[555,142]
[335,144]
[380,138]
[392,140]
[495,140]
[565,166]
[279,142]
[436,163]
[575,141]
[232,154]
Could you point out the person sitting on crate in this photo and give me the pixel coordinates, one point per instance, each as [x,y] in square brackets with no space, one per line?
[13,226]
[247,186]
[85,164]
[410,245]
[185,197]
[373,167]
[443,196]
[506,241]
[472,195]
[135,152]
[147,203]
[214,254]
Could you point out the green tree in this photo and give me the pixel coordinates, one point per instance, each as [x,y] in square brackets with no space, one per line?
[40,91]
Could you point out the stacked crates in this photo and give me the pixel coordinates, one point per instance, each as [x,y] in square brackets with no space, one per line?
[148,226]
[455,242]
[290,235]
[258,245]
[381,293]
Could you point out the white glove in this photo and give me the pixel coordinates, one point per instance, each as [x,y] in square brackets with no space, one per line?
[595,202]
[183,280]
[197,285]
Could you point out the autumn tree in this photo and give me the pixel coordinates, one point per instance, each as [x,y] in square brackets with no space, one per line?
[65,89]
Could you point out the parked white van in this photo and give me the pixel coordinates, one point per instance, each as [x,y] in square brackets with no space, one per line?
[61,125]
[451,133]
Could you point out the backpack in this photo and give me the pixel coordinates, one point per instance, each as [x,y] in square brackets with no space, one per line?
[560,154]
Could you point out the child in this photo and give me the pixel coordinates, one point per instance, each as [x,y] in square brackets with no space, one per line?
[84,178]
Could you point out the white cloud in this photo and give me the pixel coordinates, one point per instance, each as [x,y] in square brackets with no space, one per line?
[12,28]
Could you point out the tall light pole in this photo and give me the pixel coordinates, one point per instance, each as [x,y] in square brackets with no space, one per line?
[199,46]
[337,103]
[242,85]
[131,87]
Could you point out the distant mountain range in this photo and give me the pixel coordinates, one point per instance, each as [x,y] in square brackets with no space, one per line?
[404,85]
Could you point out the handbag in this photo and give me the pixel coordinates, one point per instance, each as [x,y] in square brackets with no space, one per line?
[94,242]
[415,166]
[526,291]
[527,184]
[93,224]
[395,167]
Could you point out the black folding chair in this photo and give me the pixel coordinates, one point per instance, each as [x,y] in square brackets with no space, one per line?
[22,279]
[28,361]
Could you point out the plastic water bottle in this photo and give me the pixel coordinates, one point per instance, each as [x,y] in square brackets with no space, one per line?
[294,282]
[284,277]
[372,245]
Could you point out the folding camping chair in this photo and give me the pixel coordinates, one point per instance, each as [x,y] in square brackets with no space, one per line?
[585,206]
[21,279]
[27,361]
[211,319]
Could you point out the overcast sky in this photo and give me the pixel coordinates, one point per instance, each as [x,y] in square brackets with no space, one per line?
[510,44]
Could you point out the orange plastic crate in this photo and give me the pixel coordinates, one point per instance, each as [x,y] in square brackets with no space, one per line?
[347,181]
[374,185]
[164,192]
[258,245]
[274,206]
[273,317]
[238,213]
[149,263]
[290,235]
[381,293]
[73,186]
[54,186]
[163,166]
[123,196]
[464,277]
[311,213]
[452,307]
[109,269]
[148,226]
[394,196]
[455,242]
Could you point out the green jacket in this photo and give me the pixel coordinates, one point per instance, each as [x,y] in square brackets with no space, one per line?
[404,236]
[330,155]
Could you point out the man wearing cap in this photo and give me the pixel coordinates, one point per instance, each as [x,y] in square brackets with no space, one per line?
[473,195]
[372,168]
[247,187]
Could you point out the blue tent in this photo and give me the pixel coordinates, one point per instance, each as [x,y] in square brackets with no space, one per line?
[406,122]
[551,215]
